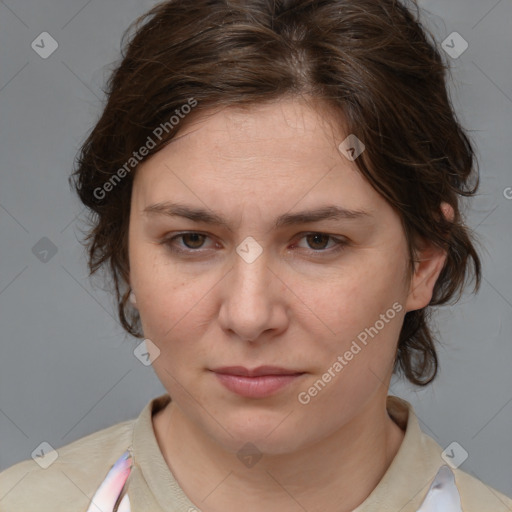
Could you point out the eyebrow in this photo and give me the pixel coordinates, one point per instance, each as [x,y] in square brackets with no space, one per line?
[328,212]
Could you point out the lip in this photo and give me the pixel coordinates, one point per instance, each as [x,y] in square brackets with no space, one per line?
[256,383]
[255,372]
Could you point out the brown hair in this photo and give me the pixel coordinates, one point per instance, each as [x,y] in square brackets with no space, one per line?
[371,61]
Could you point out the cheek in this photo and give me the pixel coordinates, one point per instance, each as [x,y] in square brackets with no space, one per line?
[158,287]
[363,310]
[357,297]
[173,318]
[166,307]
[175,310]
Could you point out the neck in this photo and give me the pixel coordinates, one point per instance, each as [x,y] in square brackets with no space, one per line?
[336,474]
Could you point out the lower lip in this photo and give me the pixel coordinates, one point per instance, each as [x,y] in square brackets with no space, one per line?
[256,387]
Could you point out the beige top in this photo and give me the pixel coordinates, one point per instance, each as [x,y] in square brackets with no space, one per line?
[68,484]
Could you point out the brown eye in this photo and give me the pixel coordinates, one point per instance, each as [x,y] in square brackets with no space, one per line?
[195,240]
[193,244]
[318,241]
[188,242]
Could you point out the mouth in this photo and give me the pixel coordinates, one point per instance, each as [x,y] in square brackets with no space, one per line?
[255,372]
[258,382]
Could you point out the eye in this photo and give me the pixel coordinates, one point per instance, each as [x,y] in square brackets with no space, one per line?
[192,241]
[318,241]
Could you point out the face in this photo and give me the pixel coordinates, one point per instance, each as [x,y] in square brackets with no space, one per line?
[250,283]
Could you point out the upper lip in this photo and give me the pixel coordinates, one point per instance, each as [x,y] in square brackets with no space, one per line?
[255,372]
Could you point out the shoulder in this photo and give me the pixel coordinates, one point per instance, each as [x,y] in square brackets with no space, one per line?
[420,458]
[476,496]
[70,481]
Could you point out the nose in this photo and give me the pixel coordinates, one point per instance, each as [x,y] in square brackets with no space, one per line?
[253,303]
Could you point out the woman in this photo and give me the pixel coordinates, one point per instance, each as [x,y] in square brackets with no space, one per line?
[275,189]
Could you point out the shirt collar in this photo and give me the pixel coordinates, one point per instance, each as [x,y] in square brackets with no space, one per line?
[411,477]
[416,477]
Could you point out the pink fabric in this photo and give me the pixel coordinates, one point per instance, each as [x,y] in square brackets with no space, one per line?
[114,485]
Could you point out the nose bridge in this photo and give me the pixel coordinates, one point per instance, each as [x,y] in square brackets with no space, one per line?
[247,307]
[250,272]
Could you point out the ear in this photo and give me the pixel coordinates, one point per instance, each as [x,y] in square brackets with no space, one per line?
[427,269]
[133,299]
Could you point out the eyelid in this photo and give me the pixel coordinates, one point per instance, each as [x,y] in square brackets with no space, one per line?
[339,241]
[168,240]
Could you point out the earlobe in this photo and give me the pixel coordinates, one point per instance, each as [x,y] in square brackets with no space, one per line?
[132,298]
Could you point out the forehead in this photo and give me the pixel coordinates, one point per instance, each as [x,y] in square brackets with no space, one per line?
[273,155]
[285,124]
[264,137]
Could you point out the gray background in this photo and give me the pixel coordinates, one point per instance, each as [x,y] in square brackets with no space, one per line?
[66,367]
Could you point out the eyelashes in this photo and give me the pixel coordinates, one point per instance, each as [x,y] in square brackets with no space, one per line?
[195,244]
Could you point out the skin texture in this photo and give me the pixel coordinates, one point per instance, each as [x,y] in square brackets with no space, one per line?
[298,305]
